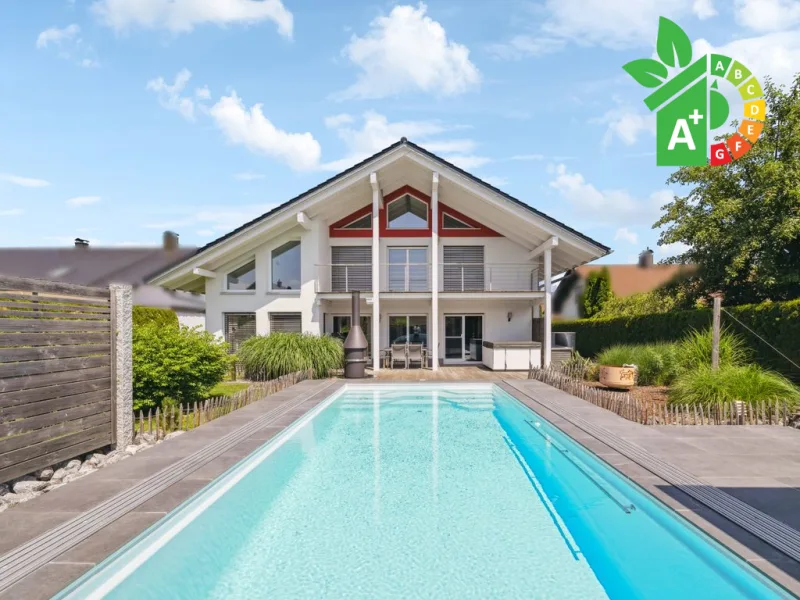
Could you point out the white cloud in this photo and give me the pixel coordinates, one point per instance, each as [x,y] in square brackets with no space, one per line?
[179,16]
[608,207]
[704,9]
[248,176]
[11,212]
[673,249]
[82,201]
[624,234]
[377,132]
[408,51]
[170,95]
[767,15]
[773,54]
[335,121]
[211,220]
[23,181]
[250,128]
[69,44]
[626,125]
[523,45]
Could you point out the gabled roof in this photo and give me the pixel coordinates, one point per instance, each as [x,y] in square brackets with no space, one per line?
[375,157]
[627,280]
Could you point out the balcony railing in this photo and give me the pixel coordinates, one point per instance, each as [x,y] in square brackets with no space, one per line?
[416,277]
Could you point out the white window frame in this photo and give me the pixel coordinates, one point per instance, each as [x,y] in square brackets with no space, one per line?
[346,227]
[427,214]
[240,264]
[452,216]
[270,289]
[407,279]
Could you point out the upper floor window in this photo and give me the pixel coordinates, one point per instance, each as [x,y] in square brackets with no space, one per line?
[407,212]
[242,279]
[451,222]
[364,222]
[286,266]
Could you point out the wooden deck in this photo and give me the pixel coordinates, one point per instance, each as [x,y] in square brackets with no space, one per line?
[448,373]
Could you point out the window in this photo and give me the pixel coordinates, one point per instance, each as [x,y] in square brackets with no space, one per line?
[286,266]
[408,270]
[451,222]
[341,327]
[463,269]
[242,279]
[364,222]
[238,328]
[285,322]
[408,329]
[352,268]
[407,212]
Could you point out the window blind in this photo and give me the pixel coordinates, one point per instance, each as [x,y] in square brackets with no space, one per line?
[238,328]
[285,322]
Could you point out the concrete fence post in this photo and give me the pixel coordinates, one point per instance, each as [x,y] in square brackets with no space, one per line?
[122,362]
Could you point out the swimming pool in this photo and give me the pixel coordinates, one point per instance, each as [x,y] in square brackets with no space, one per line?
[422,491]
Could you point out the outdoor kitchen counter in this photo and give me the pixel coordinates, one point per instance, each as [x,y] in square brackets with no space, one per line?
[512,356]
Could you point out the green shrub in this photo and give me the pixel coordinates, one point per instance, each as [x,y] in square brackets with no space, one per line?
[778,322]
[647,303]
[175,363]
[694,350]
[269,356]
[656,363]
[750,384]
[597,292]
[146,315]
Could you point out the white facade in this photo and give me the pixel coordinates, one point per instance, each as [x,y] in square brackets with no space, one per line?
[509,253]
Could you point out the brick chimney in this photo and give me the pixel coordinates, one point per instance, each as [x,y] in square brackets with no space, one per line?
[170,240]
[646,258]
[81,243]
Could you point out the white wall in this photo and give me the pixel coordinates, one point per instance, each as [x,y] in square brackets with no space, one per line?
[188,319]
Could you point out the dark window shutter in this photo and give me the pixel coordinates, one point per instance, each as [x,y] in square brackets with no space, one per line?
[238,328]
[463,269]
[285,322]
[357,274]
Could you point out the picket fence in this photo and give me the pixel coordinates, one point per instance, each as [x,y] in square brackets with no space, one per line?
[651,412]
[183,417]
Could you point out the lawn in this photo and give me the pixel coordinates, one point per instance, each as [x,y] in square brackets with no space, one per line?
[226,388]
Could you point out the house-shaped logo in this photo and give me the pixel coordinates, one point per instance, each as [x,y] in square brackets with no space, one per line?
[688,103]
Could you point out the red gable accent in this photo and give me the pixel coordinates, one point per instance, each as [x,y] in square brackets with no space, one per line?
[479,230]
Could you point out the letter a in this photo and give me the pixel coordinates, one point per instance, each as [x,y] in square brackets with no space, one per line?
[681,127]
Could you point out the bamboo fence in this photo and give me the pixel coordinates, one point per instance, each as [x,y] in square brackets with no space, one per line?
[183,417]
[651,412]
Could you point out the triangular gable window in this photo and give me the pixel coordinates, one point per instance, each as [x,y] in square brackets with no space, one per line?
[451,222]
[407,212]
[364,222]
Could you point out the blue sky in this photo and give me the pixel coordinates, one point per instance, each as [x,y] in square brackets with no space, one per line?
[122,118]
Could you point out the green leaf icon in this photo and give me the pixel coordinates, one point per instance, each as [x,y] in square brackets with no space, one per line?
[718,109]
[673,40]
[647,72]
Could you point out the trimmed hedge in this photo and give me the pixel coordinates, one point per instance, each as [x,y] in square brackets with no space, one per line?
[146,315]
[777,322]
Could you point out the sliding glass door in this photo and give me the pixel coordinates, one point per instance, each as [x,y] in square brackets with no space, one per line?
[408,329]
[341,327]
[463,337]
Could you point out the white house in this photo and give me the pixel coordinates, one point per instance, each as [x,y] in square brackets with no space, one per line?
[440,257]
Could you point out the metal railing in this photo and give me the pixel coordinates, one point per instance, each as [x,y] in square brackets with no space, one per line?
[416,277]
[489,277]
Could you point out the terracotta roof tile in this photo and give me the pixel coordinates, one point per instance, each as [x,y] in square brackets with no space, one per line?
[627,280]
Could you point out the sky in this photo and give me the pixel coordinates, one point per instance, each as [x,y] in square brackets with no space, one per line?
[120,119]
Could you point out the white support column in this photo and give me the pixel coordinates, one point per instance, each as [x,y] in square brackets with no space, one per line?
[376,250]
[548,307]
[434,337]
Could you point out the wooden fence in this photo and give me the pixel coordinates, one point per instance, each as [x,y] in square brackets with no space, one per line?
[650,412]
[56,373]
[183,417]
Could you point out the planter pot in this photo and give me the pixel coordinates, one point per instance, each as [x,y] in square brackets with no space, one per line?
[623,378]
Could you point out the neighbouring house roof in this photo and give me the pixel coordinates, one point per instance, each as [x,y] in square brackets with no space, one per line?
[627,280]
[602,249]
[100,266]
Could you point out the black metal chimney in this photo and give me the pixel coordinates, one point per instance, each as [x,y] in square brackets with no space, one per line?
[355,346]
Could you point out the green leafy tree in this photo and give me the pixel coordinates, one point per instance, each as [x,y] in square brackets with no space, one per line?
[646,303]
[741,221]
[597,292]
[178,363]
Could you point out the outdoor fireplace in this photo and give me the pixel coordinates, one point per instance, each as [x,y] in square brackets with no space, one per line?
[355,346]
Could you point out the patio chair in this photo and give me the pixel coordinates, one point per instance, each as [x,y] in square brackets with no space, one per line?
[415,354]
[397,353]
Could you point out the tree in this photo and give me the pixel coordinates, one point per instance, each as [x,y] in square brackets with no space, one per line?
[741,221]
[597,292]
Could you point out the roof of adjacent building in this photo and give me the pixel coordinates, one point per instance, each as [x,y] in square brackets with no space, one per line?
[100,266]
[627,280]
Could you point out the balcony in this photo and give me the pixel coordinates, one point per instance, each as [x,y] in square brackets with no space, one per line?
[416,278]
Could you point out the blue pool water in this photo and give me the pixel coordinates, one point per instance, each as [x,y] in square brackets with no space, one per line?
[423,492]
